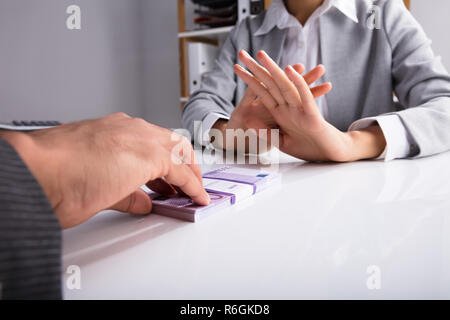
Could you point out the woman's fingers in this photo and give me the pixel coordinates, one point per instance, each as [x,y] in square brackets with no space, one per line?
[286,87]
[300,68]
[247,99]
[321,90]
[314,75]
[275,86]
[256,87]
[262,75]
[308,103]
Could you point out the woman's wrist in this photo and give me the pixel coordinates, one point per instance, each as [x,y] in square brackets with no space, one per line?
[217,134]
[367,143]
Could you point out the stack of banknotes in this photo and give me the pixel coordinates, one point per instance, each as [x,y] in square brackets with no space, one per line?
[225,186]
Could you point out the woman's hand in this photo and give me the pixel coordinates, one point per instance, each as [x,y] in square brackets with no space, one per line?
[304,133]
[251,110]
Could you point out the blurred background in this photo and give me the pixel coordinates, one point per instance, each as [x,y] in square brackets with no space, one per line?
[125,58]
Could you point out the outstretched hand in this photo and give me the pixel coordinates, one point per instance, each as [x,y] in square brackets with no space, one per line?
[304,133]
[251,113]
[93,165]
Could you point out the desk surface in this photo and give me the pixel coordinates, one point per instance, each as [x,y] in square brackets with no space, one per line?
[316,236]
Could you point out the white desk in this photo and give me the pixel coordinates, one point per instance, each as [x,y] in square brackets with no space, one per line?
[314,237]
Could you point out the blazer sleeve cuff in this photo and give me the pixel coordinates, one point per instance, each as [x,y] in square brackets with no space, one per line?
[207,123]
[397,142]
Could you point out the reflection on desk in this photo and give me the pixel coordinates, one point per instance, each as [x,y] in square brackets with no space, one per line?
[315,237]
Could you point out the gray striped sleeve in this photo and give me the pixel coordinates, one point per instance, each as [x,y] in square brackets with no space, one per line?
[30,235]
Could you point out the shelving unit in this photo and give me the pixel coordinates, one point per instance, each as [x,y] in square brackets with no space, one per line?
[210,36]
[206,33]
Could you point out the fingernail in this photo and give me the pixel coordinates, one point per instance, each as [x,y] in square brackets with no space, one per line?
[208,199]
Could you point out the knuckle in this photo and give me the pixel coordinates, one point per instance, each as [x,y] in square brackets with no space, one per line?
[131,203]
[285,90]
[139,122]
[185,141]
[121,115]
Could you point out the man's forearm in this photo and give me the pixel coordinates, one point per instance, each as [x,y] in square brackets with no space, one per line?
[28,270]
[37,160]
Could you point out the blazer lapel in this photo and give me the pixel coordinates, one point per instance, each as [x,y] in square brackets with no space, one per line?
[339,54]
[272,43]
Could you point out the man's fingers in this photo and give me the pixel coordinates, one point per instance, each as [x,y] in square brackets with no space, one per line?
[321,90]
[191,161]
[138,202]
[256,86]
[262,75]
[183,177]
[181,149]
[160,186]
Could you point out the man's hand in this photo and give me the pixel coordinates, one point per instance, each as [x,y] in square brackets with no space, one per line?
[89,166]
[251,112]
[304,133]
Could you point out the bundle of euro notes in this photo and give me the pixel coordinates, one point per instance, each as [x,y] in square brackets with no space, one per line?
[225,186]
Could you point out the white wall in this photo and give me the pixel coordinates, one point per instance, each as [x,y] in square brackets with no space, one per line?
[125,58]
[433,15]
[161,76]
[49,72]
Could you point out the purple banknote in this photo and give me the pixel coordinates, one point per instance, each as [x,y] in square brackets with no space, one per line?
[225,186]
[184,208]
[254,177]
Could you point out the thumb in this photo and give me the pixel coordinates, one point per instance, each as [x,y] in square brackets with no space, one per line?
[138,202]
[257,124]
[247,99]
